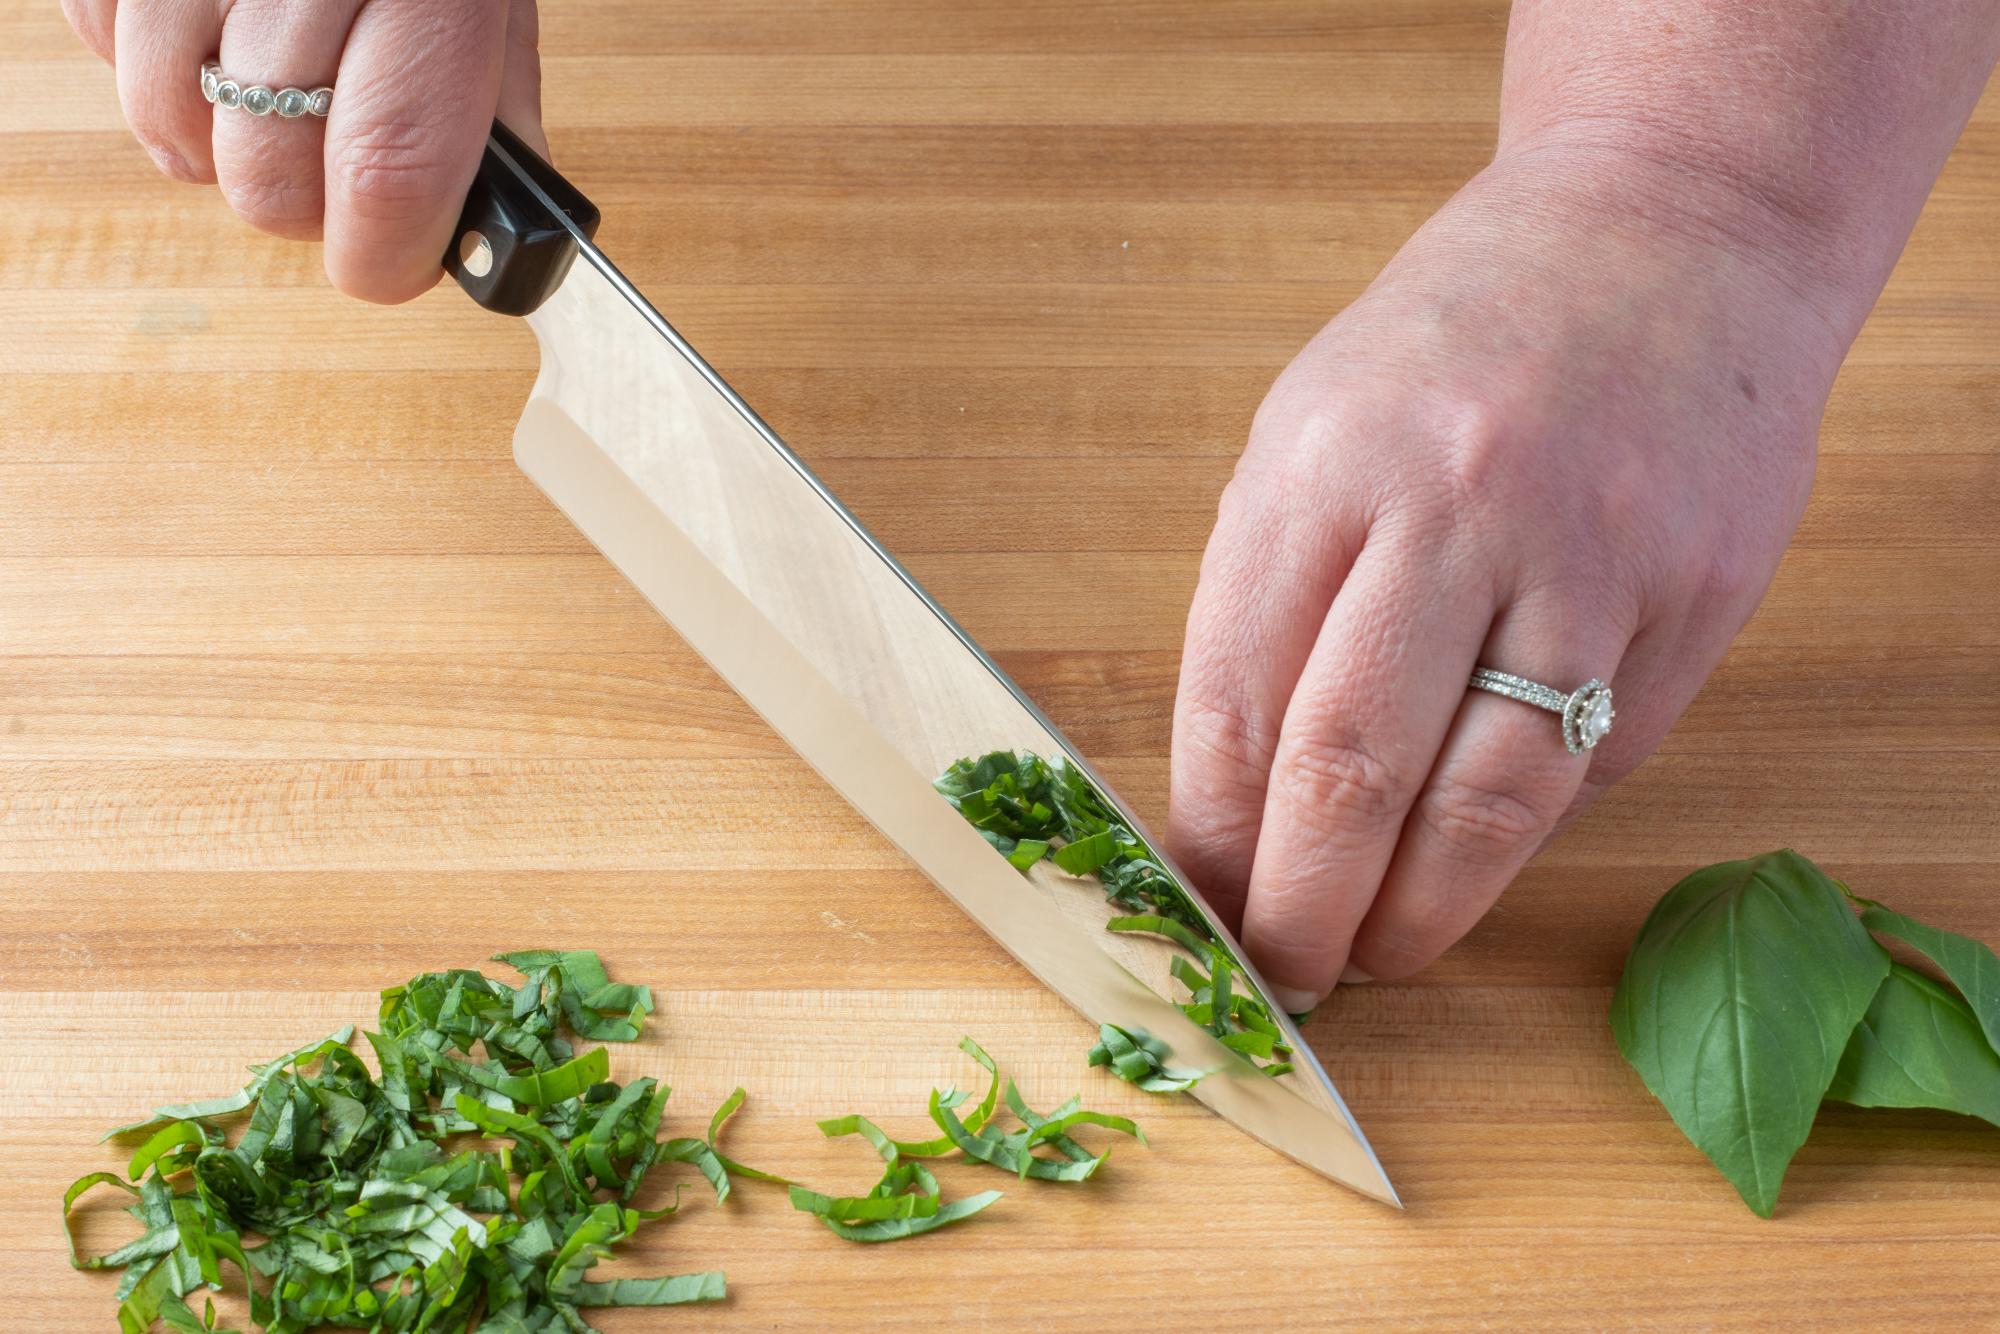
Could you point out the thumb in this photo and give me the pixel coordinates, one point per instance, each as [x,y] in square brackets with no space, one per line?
[520,107]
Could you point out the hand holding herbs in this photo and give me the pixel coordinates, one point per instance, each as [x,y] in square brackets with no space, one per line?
[1754,991]
[372,1202]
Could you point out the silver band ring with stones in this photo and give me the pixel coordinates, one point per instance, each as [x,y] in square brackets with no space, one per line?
[261,100]
[1586,711]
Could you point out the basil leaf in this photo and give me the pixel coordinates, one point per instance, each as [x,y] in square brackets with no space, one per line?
[864,1208]
[716,1122]
[371,1213]
[1020,802]
[1919,1046]
[934,1148]
[1736,1004]
[1971,965]
[76,1190]
[1137,1057]
[895,1229]
[1086,855]
[670,1290]
[1027,852]
[1009,1157]
[236,1102]
[705,1160]
[906,1202]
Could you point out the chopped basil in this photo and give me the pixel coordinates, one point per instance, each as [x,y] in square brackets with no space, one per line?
[907,1201]
[1137,1057]
[373,1213]
[1030,808]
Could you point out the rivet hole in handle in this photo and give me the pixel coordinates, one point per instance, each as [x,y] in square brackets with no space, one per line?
[516,236]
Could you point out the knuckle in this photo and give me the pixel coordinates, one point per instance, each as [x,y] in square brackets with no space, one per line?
[1481,824]
[1337,785]
[282,207]
[1482,450]
[1224,743]
[1295,449]
[1734,562]
[392,170]
[1390,952]
[1289,958]
[92,23]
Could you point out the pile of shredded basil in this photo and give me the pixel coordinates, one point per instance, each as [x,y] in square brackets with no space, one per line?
[364,1210]
[1030,809]
[372,1203]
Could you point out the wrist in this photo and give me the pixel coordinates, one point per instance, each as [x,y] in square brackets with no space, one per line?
[1696,210]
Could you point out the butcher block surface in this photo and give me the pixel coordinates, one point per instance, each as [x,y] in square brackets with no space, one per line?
[304,688]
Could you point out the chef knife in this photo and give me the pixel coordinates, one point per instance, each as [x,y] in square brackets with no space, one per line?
[668,472]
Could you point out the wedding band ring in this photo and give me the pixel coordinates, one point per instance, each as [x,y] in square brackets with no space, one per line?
[1586,711]
[260,99]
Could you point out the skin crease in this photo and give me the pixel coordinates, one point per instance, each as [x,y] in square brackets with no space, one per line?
[1567,432]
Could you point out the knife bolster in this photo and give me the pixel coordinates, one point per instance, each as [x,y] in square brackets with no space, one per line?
[519,230]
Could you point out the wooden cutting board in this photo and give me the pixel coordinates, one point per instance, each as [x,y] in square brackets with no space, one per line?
[305,689]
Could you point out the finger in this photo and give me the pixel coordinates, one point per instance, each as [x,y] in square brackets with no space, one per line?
[1662,672]
[520,106]
[415,97]
[160,47]
[1268,577]
[1359,737]
[271,168]
[1500,784]
[95,22]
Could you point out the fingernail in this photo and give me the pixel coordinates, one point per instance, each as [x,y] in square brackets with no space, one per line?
[1350,975]
[1294,1001]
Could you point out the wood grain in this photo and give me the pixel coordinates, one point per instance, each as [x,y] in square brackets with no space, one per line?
[303,689]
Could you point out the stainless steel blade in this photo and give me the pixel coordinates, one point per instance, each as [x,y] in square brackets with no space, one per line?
[788,597]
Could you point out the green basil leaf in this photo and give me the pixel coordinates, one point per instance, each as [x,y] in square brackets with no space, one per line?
[1027,852]
[75,1192]
[705,1160]
[1138,1057]
[867,1208]
[1919,1045]
[1020,802]
[935,1148]
[236,1102]
[670,1290]
[895,1229]
[1736,1004]
[734,1168]
[1010,1157]
[1971,965]
[1085,855]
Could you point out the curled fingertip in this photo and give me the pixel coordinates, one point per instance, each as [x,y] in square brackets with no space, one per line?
[1295,1001]
[174,166]
[381,286]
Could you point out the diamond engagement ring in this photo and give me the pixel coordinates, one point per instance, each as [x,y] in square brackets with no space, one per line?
[259,100]
[1586,711]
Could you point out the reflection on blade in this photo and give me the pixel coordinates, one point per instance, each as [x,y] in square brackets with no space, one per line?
[791,601]
[1029,808]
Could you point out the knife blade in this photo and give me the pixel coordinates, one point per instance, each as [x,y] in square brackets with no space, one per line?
[730,536]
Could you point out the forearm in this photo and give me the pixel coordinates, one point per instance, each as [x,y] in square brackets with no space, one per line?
[1811,129]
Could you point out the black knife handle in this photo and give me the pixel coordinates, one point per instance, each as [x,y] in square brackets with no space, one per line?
[512,247]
